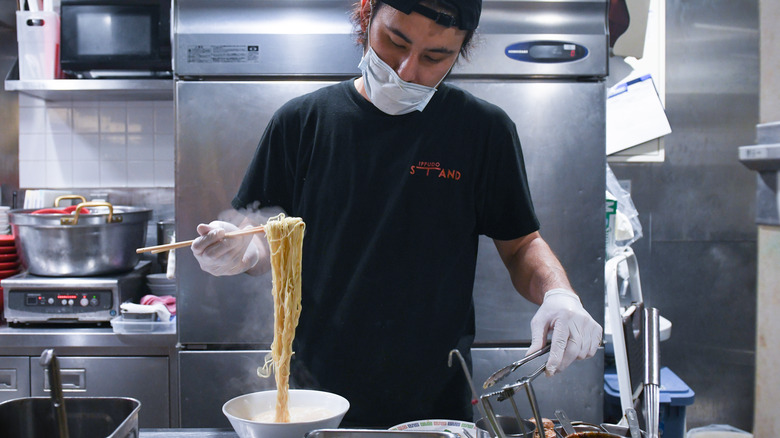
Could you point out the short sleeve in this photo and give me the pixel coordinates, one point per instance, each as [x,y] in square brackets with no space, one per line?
[505,210]
[269,179]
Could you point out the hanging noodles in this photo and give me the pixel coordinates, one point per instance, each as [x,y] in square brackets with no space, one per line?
[285,239]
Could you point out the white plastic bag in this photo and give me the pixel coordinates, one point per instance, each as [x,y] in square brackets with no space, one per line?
[627,228]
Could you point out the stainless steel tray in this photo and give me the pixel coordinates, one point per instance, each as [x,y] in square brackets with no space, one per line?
[369,433]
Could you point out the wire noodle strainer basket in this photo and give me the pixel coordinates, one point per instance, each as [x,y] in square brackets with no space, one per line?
[507,392]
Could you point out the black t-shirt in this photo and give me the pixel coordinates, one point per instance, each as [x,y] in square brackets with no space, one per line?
[393,207]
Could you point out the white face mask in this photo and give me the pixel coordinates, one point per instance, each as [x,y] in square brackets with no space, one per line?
[387,91]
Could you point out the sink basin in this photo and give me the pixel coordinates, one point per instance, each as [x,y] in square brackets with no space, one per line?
[33,417]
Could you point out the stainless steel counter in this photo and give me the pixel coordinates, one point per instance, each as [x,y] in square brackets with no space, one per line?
[91,358]
[85,340]
[187,433]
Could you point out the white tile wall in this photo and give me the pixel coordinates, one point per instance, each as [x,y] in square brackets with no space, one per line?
[108,144]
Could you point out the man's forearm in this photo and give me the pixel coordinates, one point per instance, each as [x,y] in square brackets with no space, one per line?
[533,267]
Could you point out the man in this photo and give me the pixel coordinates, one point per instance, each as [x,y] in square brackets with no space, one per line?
[396,175]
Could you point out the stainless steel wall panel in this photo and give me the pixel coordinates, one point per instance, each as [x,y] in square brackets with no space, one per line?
[700,193]
[712,47]
[211,378]
[692,202]
[561,128]
[707,290]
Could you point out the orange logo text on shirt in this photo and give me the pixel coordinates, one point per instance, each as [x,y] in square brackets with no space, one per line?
[433,168]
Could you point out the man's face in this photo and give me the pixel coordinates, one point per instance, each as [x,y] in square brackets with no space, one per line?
[418,49]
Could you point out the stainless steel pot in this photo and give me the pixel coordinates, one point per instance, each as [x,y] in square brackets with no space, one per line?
[31,417]
[98,243]
[509,425]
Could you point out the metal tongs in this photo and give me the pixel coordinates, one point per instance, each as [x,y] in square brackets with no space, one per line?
[508,392]
[509,369]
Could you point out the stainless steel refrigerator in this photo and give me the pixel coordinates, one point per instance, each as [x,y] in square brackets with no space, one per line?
[237,61]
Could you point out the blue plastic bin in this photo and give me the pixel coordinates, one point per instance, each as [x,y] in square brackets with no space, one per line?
[675,396]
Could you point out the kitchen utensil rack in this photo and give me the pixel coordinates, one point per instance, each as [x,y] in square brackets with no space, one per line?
[508,392]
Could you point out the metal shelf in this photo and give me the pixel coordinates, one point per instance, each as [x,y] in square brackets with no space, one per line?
[86,89]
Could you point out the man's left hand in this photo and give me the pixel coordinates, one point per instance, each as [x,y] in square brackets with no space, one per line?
[575,334]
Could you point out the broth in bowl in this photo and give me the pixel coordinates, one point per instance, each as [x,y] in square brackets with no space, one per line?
[298,414]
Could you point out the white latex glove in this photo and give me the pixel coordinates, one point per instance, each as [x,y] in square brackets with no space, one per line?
[576,335]
[219,255]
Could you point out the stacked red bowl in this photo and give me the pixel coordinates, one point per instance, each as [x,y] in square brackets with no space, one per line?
[9,260]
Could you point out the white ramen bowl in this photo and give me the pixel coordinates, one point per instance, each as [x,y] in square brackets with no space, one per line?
[242,411]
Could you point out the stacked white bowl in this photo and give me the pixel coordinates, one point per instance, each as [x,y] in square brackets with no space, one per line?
[160,284]
[5,227]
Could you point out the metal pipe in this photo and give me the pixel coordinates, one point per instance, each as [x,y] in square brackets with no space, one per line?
[491,417]
[518,417]
[467,374]
[49,361]
[534,408]
[652,372]
[652,346]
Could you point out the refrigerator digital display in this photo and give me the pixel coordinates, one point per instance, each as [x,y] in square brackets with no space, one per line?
[546,51]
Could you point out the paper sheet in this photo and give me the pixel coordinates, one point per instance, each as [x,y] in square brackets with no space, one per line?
[635,114]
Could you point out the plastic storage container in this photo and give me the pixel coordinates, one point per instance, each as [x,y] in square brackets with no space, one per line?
[38,35]
[135,326]
[675,396]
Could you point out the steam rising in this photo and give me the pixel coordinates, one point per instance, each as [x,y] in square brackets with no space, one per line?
[253,213]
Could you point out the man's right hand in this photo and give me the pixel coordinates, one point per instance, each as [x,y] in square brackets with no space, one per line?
[219,255]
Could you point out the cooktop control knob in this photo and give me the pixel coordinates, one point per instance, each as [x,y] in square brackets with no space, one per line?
[84,302]
[93,301]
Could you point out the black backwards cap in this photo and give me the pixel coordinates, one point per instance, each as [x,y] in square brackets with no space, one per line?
[468,12]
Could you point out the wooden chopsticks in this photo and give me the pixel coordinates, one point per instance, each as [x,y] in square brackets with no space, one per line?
[169,246]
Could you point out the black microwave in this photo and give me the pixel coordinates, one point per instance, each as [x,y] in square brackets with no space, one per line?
[115,38]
